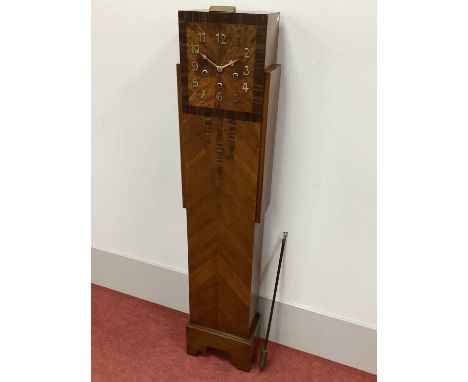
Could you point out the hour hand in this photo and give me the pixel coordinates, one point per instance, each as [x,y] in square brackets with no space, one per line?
[230,63]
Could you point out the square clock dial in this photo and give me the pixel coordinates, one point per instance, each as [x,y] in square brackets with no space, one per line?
[221,61]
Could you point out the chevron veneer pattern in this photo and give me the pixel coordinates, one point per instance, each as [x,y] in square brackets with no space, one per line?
[220,173]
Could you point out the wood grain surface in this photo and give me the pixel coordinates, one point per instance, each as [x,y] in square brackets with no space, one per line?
[226,154]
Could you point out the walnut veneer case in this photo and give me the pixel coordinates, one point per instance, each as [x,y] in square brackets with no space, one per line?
[228,84]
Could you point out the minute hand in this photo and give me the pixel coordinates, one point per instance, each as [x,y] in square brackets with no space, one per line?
[205,57]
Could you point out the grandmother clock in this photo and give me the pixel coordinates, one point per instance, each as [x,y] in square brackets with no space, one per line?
[228,83]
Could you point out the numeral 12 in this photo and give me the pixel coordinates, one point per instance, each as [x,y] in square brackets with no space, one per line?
[221,38]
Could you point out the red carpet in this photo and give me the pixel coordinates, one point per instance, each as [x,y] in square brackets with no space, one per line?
[136,340]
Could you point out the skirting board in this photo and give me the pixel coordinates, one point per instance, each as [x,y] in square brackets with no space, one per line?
[319,334]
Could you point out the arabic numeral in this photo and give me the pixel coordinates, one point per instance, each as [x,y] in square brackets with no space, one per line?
[246,53]
[201,37]
[221,38]
[195,48]
[245,87]
[195,83]
[246,71]
[219,96]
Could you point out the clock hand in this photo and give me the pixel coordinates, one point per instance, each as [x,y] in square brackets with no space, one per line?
[205,57]
[230,63]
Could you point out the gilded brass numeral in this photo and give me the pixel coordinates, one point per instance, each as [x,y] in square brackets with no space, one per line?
[246,53]
[245,87]
[221,38]
[195,65]
[201,37]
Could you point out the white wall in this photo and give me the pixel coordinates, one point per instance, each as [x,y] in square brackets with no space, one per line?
[324,180]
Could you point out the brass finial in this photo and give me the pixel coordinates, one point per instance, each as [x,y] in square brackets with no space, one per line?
[222,8]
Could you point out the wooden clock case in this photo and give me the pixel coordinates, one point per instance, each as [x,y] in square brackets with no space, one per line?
[226,165]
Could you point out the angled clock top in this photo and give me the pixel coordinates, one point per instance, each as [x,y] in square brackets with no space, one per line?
[222,63]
